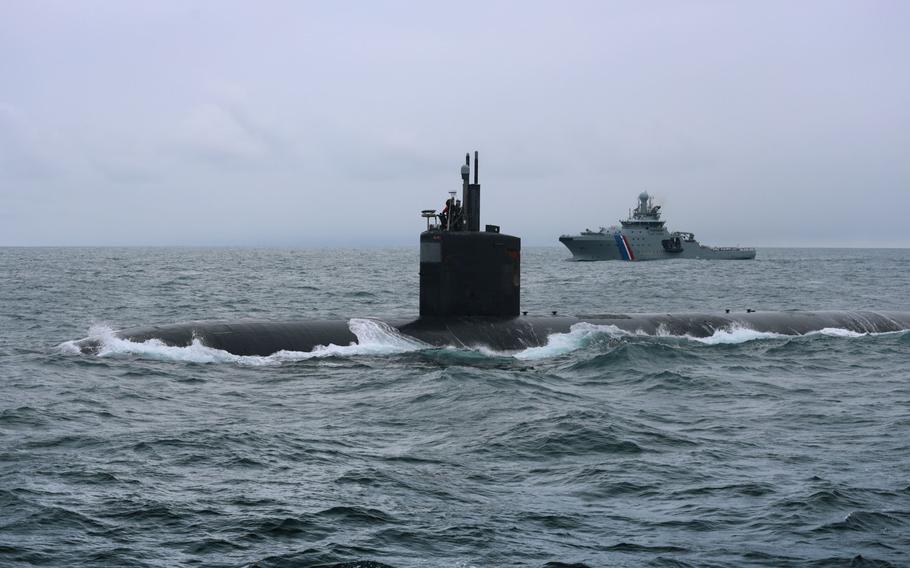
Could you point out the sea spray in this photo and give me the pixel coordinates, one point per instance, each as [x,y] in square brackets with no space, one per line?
[374,338]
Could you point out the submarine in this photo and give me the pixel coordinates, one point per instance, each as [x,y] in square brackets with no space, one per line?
[470,293]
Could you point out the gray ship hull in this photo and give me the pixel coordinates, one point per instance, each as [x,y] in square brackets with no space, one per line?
[606,246]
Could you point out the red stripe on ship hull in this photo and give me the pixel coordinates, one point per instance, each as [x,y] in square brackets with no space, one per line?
[628,248]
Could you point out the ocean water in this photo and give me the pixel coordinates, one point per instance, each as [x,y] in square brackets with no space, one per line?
[599,449]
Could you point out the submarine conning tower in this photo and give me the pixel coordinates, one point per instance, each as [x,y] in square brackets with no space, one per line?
[465,271]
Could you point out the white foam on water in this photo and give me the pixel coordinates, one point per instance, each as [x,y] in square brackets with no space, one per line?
[581,334]
[376,338]
[735,336]
[112,346]
[578,336]
[373,338]
[742,335]
[838,332]
[69,348]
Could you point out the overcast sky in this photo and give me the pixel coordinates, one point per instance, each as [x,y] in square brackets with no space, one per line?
[335,123]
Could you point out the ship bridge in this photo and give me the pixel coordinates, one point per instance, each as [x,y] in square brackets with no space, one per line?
[645,215]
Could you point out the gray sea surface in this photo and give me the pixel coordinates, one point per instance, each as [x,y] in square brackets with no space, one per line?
[600,449]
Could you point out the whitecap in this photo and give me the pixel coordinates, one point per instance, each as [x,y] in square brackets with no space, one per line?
[838,332]
[373,338]
[735,336]
[578,336]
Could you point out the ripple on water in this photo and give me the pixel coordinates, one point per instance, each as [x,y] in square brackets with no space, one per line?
[603,449]
[561,435]
[22,417]
[867,521]
[287,528]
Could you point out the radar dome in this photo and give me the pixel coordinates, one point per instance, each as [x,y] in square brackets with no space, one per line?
[643,196]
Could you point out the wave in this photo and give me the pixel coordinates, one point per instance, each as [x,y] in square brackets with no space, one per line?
[736,335]
[376,338]
[583,334]
[579,336]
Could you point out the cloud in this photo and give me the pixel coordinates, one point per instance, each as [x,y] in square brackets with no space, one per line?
[126,167]
[791,122]
[25,152]
[224,135]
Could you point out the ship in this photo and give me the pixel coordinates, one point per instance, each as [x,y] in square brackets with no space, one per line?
[644,236]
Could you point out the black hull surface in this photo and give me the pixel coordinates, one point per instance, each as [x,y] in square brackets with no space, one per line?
[470,296]
[266,338]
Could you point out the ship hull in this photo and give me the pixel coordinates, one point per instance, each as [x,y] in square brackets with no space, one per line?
[630,246]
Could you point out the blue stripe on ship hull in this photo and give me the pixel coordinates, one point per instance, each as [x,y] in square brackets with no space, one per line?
[621,246]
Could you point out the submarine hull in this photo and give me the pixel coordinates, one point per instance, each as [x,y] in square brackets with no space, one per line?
[470,296]
[506,334]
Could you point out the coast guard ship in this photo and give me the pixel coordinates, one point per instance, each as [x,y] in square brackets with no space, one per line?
[643,236]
